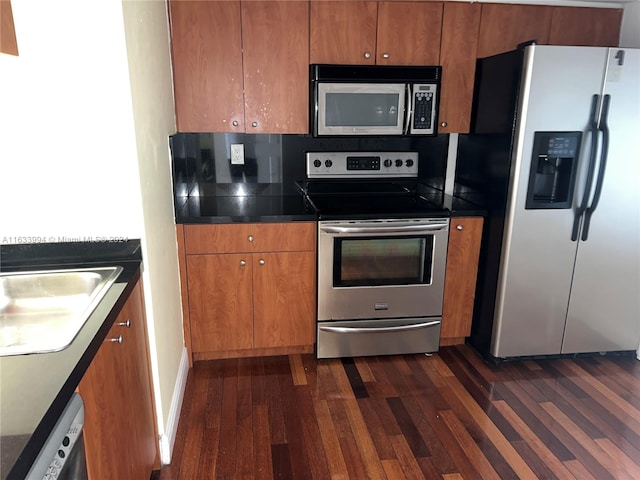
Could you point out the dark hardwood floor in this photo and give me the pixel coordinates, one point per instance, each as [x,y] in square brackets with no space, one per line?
[447,416]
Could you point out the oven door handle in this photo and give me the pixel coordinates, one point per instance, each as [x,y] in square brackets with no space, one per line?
[395,229]
[400,328]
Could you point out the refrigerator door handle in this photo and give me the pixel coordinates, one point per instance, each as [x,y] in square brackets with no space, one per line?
[593,128]
[604,128]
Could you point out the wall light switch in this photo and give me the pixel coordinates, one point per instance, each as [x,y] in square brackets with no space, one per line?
[237,154]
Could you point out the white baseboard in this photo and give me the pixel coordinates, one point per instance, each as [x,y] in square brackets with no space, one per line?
[168,439]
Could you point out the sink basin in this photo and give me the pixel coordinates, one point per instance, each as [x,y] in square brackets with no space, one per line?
[44,311]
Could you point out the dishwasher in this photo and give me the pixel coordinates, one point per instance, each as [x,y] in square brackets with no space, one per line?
[62,457]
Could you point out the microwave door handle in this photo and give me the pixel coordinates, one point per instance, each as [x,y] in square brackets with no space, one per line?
[408,109]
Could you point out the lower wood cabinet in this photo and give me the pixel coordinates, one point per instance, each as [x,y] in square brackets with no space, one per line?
[251,288]
[465,236]
[120,429]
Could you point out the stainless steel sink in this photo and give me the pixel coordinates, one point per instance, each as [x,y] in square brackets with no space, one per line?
[44,311]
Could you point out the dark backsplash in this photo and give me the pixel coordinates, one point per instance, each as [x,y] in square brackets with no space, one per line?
[273,163]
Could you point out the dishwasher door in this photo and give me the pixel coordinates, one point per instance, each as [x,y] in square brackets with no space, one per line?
[62,457]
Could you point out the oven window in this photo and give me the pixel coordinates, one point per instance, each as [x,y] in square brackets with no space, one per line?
[382,261]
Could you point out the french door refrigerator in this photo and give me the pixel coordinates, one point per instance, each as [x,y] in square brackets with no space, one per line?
[556,149]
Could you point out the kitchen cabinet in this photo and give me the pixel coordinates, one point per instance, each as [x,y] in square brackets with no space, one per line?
[382,33]
[463,252]
[597,27]
[458,52]
[120,430]
[251,288]
[240,66]
[504,26]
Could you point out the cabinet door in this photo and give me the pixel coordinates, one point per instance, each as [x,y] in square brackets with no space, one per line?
[460,26]
[139,393]
[275,42]
[597,27]
[106,428]
[460,281]
[343,32]
[409,33]
[284,299]
[220,304]
[206,50]
[504,26]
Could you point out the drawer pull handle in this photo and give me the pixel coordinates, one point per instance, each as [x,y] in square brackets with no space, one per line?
[459,227]
[125,324]
[118,339]
[242,263]
[250,238]
[261,262]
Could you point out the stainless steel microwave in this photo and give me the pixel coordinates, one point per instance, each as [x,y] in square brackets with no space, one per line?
[374,100]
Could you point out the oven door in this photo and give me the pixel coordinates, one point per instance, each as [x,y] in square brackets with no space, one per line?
[381,269]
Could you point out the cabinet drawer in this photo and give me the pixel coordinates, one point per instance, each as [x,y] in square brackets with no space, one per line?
[249,237]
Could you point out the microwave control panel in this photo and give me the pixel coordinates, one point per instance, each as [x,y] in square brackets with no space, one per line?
[361,164]
[423,104]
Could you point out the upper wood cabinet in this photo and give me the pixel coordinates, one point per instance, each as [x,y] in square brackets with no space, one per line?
[240,66]
[343,32]
[382,33]
[504,26]
[597,27]
[460,26]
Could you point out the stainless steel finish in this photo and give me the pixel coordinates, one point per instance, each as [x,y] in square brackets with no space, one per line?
[261,262]
[385,55]
[43,311]
[234,123]
[555,295]
[459,227]
[254,124]
[407,110]
[399,328]
[242,263]
[125,324]
[390,228]
[443,124]
[419,300]
[378,337]
[64,448]
[367,54]
[334,165]
[118,339]
[250,238]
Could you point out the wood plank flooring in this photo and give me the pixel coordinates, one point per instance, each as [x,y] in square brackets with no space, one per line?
[449,416]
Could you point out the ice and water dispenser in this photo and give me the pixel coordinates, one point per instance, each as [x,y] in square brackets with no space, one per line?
[553,169]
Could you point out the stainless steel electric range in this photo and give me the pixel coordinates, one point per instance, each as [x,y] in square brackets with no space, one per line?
[382,246]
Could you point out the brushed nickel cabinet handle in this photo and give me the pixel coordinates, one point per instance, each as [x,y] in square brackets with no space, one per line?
[250,238]
[261,262]
[234,123]
[459,227]
[242,263]
[367,54]
[125,324]
[118,339]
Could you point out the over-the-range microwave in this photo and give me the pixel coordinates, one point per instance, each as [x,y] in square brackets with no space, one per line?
[374,100]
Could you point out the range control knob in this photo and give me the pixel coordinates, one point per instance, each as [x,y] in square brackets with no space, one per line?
[317,163]
[388,163]
[409,162]
[328,163]
[398,163]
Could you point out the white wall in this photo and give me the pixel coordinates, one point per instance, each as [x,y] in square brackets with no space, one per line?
[630,33]
[147,36]
[68,163]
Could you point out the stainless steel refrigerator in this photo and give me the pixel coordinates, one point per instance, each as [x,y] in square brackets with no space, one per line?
[555,150]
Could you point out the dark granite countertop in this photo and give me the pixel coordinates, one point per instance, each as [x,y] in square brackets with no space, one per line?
[290,206]
[34,389]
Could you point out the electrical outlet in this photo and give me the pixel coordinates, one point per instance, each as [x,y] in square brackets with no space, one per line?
[237,154]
